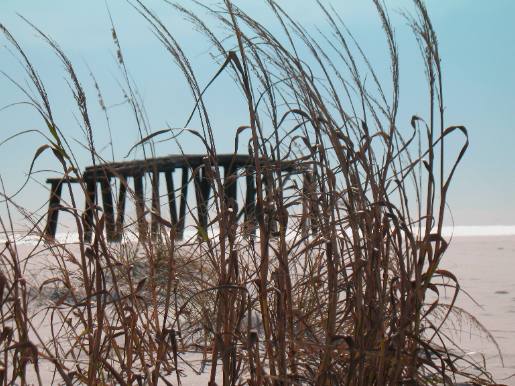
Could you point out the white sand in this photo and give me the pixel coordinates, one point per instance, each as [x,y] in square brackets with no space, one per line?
[485,267]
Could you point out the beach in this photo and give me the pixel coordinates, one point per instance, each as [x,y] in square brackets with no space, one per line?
[485,267]
[483,260]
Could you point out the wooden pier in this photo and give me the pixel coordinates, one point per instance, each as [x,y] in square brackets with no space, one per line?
[194,168]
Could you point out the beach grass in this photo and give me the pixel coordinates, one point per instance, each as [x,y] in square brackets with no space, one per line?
[340,284]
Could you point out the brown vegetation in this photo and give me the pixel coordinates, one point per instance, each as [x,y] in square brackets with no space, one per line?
[354,300]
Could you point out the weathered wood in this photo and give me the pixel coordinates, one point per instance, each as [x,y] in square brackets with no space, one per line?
[140,205]
[162,164]
[202,189]
[108,208]
[120,209]
[156,207]
[165,164]
[184,202]
[309,214]
[231,186]
[269,210]
[90,198]
[250,202]
[170,188]
[56,188]
[202,178]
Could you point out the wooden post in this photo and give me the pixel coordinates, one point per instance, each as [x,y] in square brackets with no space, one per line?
[156,207]
[269,211]
[91,198]
[231,187]
[170,188]
[313,209]
[304,218]
[107,200]
[140,206]
[184,200]
[309,212]
[120,209]
[250,202]
[53,207]
[202,189]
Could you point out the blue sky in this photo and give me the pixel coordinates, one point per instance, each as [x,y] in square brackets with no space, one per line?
[477,44]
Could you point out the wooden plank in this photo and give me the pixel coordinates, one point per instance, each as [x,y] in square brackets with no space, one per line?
[72,180]
[163,164]
[169,163]
[54,204]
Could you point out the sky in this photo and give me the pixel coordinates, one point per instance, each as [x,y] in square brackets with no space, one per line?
[477,46]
